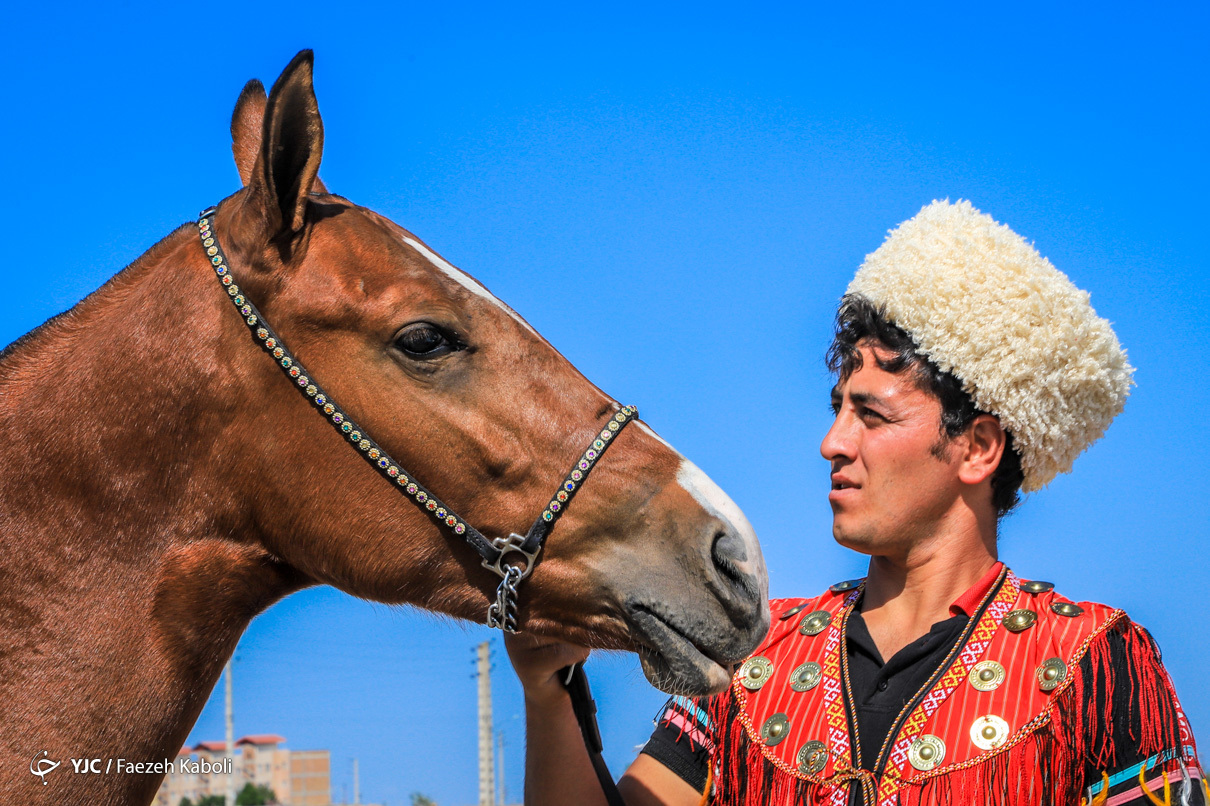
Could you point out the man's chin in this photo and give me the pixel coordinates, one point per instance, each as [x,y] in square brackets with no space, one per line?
[857,541]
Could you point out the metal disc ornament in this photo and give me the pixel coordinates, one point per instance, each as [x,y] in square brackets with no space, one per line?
[989,732]
[812,757]
[755,672]
[926,752]
[987,675]
[1067,609]
[806,676]
[814,623]
[1019,620]
[775,730]
[1051,673]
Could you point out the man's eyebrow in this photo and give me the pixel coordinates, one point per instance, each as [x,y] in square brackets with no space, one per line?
[860,398]
[866,399]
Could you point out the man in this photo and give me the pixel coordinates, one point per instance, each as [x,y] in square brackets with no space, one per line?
[968,369]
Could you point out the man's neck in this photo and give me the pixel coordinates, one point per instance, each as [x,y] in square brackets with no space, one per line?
[904,597]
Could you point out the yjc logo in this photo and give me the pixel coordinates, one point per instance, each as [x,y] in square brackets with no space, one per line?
[41,766]
[87,765]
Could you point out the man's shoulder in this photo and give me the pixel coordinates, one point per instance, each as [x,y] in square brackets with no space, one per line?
[802,614]
[832,598]
[1042,601]
[1087,631]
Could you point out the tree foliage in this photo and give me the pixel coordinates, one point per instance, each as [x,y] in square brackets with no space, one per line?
[255,795]
[207,800]
[250,795]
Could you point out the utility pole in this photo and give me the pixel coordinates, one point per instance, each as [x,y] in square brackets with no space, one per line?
[487,783]
[229,799]
[500,796]
[356,785]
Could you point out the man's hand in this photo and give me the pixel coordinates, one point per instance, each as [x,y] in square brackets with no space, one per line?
[538,661]
[557,767]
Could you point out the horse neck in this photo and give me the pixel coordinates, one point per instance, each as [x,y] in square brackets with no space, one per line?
[123,547]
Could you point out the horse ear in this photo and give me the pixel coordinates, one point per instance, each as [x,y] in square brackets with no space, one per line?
[291,144]
[247,124]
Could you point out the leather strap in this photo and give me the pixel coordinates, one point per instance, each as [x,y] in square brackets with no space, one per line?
[585,708]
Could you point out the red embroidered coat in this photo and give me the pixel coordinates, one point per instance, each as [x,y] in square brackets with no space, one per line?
[1009,718]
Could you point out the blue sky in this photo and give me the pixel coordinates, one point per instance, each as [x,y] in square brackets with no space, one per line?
[675,196]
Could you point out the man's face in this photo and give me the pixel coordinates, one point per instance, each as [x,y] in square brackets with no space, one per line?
[890,491]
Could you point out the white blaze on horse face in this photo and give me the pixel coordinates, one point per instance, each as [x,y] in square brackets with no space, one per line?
[646,429]
[707,493]
[466,281]
[719,504]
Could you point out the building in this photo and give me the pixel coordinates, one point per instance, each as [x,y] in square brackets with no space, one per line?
[297,777]
[181,784]
[264,762]
[310,778]
[214,781]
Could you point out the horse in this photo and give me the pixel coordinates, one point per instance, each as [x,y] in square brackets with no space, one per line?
[164,483]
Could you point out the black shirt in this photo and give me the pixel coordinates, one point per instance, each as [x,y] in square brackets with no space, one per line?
[881,690]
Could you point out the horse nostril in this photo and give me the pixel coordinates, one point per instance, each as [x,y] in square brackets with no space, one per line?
[729,552]
[728,549]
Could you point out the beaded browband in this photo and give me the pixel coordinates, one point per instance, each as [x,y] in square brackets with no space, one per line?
[503,612]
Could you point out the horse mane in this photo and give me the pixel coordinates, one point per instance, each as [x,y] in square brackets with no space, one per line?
[123,279]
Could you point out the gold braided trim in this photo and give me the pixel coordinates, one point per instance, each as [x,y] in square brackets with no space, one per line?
[1031,726]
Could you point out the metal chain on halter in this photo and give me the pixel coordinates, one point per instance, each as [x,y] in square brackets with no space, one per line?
[501,614]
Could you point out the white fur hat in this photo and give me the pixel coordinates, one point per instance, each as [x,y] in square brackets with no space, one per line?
[982,304]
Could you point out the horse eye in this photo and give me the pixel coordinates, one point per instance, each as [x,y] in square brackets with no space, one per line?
[422,340]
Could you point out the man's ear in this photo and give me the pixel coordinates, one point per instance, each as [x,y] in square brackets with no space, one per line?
[287,160]
[985,444]
[247,125]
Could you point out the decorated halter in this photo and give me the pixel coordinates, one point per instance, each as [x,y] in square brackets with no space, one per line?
[500,554]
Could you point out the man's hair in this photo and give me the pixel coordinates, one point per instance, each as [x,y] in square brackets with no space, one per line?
[858,321]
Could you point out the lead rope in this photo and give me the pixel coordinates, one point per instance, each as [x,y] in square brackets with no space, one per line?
[585,708]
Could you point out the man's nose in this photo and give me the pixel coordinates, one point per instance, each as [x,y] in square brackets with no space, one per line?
[837,443]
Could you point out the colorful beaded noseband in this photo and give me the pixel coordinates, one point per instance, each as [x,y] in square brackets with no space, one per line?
[503,612]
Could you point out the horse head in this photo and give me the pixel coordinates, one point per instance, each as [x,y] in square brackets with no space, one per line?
[465,395]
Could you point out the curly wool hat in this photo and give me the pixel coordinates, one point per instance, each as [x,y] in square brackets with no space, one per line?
[982,304]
